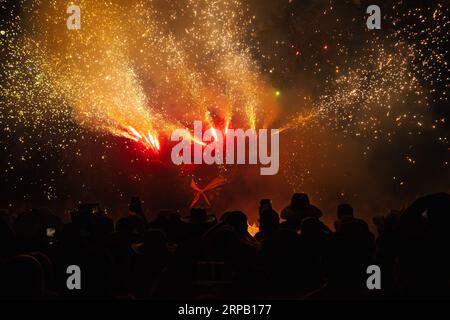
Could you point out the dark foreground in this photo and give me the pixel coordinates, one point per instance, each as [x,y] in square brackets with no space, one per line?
[294,256]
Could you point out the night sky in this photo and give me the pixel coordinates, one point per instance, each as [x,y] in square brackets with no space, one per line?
[364,113]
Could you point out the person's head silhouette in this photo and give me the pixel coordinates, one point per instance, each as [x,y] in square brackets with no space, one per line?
[135,206]
[238,220]
[268,221]
[344,211]
[299,201]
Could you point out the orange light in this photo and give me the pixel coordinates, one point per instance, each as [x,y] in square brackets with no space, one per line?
[253,229]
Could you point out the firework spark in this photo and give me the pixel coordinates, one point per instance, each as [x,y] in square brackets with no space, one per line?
[137,81]
[141,69]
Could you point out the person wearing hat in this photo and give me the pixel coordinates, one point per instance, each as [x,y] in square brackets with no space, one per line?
[299,209]
[198,221]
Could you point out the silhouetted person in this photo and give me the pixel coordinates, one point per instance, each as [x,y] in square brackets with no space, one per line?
[150,261]
[22,277]
[198,257]
[198,221]
[424,247]
[299,209]
[351,253]
[264,204]
[315,238]
[280,260]
[387,248]
[48,272]
[269,221]
[92,221]
[170,223]
[135,208]
[346,221]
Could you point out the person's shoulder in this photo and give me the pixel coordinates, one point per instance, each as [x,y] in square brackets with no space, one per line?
[362,223]
[286,212]
[315,211]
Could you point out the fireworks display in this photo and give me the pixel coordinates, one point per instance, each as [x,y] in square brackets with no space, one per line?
[343,96]
[134,80]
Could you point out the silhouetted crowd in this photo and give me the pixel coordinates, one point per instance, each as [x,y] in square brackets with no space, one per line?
[293,256]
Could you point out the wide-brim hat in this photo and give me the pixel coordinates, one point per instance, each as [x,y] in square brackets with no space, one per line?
[309,211]
[199,216]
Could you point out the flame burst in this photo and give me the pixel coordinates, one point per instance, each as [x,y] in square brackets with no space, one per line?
[253,229]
